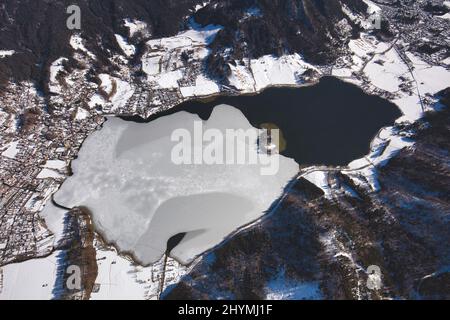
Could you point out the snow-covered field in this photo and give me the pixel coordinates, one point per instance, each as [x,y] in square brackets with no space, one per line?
[120,278]
[29,280]
[6,53]
[258,74]
[164,64]
[118,93]
[319,179]
[11,150]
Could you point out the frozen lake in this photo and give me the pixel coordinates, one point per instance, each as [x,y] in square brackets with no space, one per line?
[139,198]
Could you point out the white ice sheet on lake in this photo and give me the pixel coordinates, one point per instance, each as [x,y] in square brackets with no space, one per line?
[139,198]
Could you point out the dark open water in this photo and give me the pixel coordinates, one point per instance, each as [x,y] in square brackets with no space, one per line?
[330,123]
